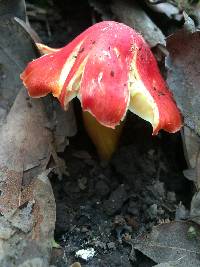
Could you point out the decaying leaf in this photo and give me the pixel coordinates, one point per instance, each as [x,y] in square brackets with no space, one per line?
[183,74]
[130,13]
[27,203]
[171,243]
[166,8]
[62,123]
[15,43]
[13,8]
[14,53]
[194,208]
[191,146]
[25,146]
[183,79]
[28,29]
[29,228]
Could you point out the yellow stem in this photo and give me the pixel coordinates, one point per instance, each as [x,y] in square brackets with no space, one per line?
[105,139]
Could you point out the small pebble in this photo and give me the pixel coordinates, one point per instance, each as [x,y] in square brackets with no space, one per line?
[116,200]
[84,229]
[101,188]
[85,254]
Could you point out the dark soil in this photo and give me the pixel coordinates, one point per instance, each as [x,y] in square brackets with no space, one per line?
[99,206]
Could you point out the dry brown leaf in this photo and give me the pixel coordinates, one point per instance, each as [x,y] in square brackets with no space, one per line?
[183,74]
[166,8]
[130,13]
[27,203]
[176,243]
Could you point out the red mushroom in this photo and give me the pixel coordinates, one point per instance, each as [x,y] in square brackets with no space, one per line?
[111,69]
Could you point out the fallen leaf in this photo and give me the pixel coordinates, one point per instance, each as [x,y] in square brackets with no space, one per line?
[27,202]
[29,30]
[183,74]
[183,79]
[15,52]
[24,141]
[191,174]
[13,8]
[191,146]
[170,10]
[195,208]
[171,243]
[62,123]
[130,13]
[31,227]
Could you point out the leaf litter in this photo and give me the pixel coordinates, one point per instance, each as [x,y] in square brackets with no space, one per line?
[79,226]
[27,202]
[171,243]
[143,202]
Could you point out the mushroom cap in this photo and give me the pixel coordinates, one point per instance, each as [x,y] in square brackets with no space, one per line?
[111,69]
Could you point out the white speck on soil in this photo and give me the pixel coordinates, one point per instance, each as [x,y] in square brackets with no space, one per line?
[85,254]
